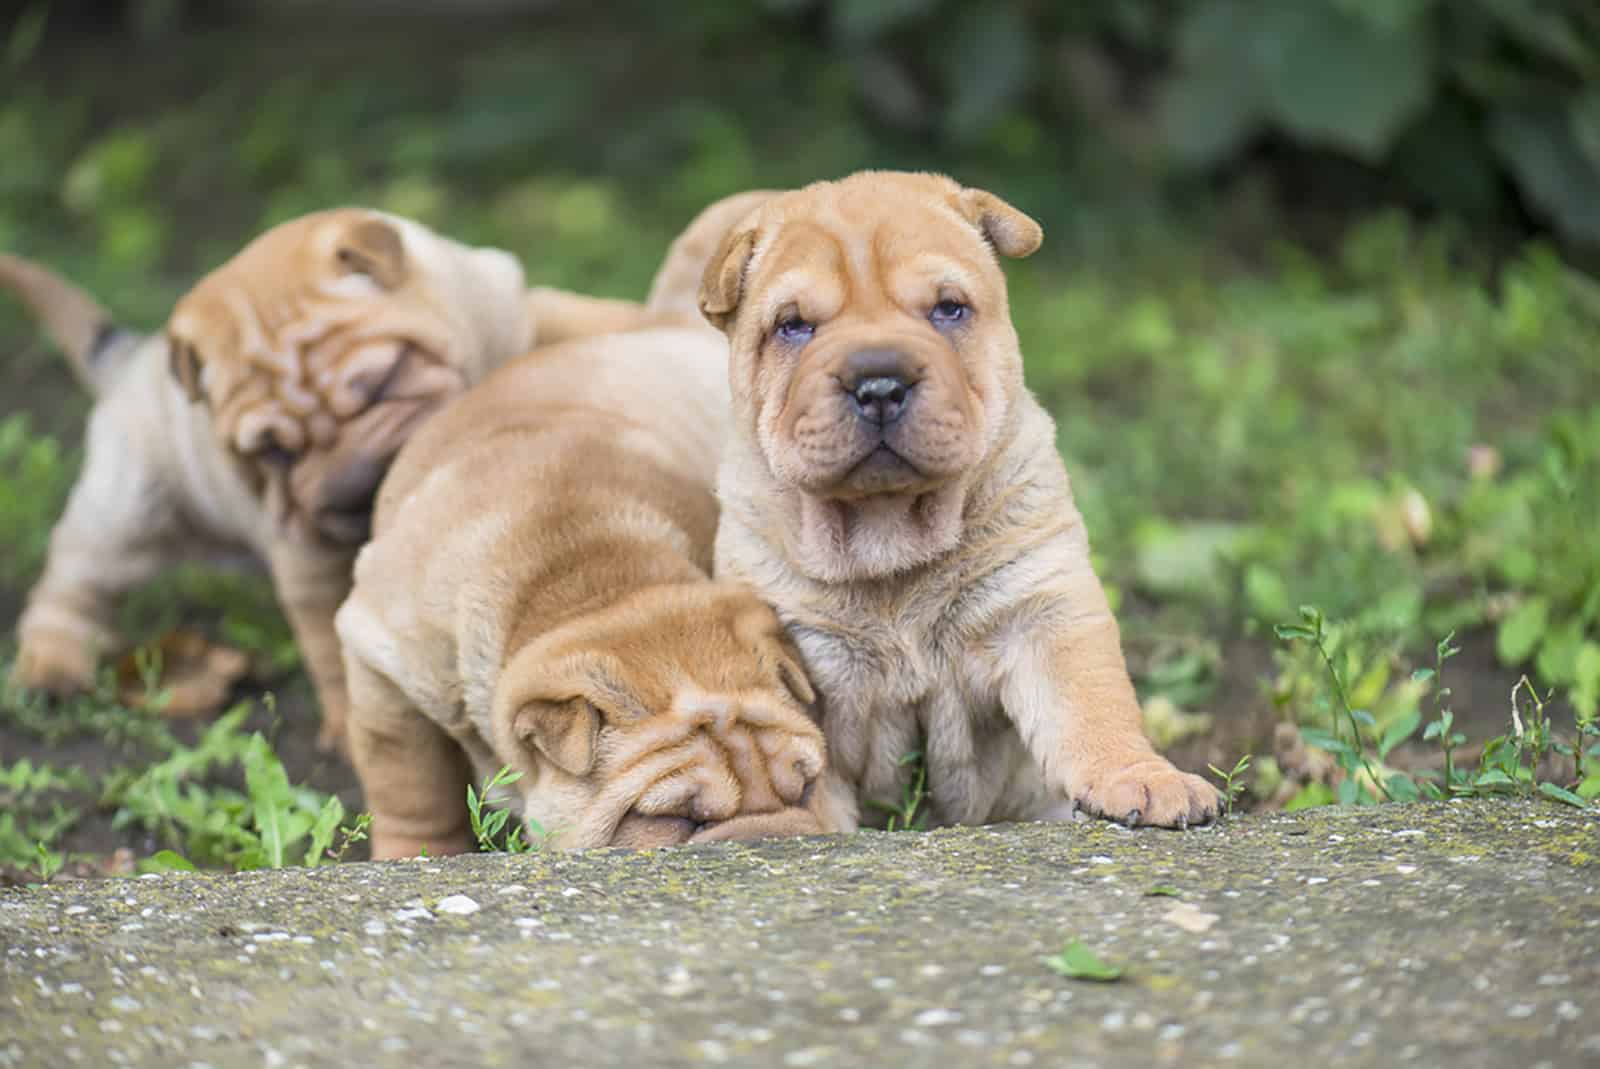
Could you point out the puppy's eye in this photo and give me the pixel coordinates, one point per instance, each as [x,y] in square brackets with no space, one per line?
[795,331]
[948,313]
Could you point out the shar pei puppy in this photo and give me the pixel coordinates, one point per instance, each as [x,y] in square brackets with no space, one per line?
[895,491]
[537,595]
[263,419]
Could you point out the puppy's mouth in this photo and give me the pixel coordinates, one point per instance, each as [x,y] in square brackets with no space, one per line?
[642,831]
[335,490]
[881,471]
[645,831]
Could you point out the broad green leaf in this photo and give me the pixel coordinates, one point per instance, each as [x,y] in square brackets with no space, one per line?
[1399,732]
[1494,777]
[166,861]
[1331,80]
[1422,675]
[1590,788]
[1322,740]
[1078,962]
[1309,797]
[1349,792]
[1584,115]
[1586,679]
[1561,794]
[865,20]
[1535,142]
[1521,632]
[1557,662]
[1207,114]
[322,832]
[271,800]
[988,63]
[1402,787]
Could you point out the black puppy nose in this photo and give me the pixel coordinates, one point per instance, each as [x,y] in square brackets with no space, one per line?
[881,398]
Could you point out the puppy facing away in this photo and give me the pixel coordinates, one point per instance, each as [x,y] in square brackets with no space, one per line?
[262,420]
[537,595]
[895,491]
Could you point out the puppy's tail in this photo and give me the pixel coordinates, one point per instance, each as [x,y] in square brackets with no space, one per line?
[74,320]
[676,287]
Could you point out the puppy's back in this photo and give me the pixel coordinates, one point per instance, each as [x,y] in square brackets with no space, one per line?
[660,396]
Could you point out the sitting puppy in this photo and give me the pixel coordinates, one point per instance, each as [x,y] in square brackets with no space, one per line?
[895,491]
[537,595]
[263,420]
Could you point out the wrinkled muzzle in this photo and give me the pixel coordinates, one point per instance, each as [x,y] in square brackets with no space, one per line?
[875,416]
[323,487]
[711,769]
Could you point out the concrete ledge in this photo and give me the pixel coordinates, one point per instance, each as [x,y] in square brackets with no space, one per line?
[1465,934]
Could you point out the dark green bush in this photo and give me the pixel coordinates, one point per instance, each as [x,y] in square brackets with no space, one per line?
[1458,99]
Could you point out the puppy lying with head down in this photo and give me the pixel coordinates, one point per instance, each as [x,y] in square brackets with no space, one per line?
[537,595]
[263,419]
[895,491]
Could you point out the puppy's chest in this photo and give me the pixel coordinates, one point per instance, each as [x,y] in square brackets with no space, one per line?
[891,660]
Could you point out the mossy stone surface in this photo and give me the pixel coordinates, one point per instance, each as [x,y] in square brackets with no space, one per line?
[1465,934]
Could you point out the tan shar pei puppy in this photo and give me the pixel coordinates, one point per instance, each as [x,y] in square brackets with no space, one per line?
[895,491]
[537,595]
[262,420]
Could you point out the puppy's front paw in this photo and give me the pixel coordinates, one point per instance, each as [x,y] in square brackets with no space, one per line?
[1148,790]
[57,665]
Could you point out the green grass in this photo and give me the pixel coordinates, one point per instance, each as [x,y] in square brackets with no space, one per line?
[1391,419]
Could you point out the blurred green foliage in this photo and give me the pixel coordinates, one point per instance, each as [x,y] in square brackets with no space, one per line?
[1449,97]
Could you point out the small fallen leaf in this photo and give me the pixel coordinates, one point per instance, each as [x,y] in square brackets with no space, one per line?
[1078,962]
[1162,890]
[1189,918]
[192,675]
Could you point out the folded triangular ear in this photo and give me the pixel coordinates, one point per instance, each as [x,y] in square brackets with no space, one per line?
[792,672]
[1011,232]
[184,363]
[566,733]
[373,247]
[722,286]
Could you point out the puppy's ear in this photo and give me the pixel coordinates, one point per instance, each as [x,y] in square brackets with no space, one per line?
[1011,232]
[786,658]
[722,286]
[564,732]
[184,363]
[373,248]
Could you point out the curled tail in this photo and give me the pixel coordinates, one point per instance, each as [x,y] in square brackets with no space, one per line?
[74,320]
[676,287]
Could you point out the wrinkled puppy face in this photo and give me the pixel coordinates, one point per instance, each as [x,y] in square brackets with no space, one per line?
[679,713]
[873,352]
[322,345]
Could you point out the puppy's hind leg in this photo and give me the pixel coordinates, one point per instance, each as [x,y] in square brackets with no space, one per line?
[121,525]
[412,773]
[311,583]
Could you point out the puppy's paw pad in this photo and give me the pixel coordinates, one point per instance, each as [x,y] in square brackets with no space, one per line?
[1150,792]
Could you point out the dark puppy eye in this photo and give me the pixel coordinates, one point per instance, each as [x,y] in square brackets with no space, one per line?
[795,330]
[948,313]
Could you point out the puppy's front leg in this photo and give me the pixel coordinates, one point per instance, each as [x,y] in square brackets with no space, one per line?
[413,774]
[311,583]
[119,528]
[1068,692]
